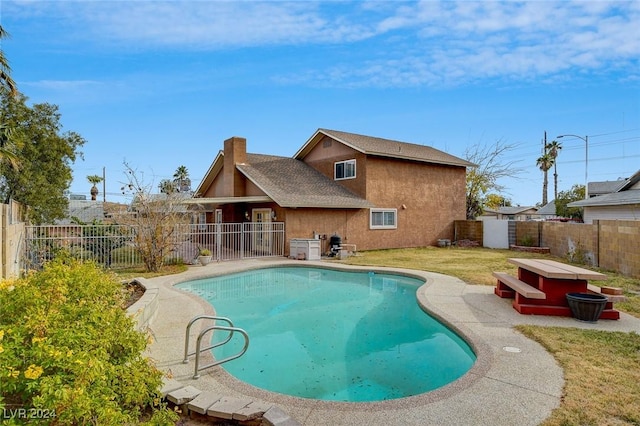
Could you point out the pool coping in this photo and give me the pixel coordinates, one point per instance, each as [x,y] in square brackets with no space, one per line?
[483,320]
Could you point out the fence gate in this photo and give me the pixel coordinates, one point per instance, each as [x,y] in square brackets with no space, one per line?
[113,246]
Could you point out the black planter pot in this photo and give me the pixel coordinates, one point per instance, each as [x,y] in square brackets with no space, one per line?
[586,306]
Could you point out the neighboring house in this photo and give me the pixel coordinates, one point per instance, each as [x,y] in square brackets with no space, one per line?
[372,192]
[81,210]
[622,203]
[510,213]
[548,212]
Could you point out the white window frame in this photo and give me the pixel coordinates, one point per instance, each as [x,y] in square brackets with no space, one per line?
[345,164]
[384,212]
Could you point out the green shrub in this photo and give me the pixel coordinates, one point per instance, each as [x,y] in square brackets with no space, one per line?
[126,255]
[68,348]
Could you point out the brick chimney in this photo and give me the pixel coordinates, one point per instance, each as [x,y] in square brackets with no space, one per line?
[235,151]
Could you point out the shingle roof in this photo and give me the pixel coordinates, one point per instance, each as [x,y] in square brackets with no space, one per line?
[385,147]
[548,209]
[511,209]
[605,187]
[631,196]
[621,194]
[292,183]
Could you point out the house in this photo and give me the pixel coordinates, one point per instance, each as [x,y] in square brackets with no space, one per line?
[510,213]
[372,192]
[622,203]
[548,212]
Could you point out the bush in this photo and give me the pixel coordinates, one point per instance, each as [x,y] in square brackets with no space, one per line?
[67,348]
[126,255]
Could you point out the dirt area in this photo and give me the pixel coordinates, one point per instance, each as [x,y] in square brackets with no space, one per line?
[133,291]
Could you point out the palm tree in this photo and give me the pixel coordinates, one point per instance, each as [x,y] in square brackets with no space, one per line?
[6,82]
[181,178]
[554,149]
[544,163]
[94,179]
[7,147]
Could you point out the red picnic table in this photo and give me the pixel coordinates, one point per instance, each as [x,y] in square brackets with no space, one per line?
[542,285]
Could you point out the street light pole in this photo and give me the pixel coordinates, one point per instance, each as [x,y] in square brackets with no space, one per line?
[586,161]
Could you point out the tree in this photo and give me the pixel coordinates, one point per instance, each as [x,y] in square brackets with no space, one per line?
[8,147]
[167,186]
[576,193]
[544,162]
[94,179]
[495,201]
[554,149]
[484,177]
[181,179]
[46,156]
[7,85]
[155,218]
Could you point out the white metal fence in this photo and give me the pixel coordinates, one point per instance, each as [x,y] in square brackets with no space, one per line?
[113,245]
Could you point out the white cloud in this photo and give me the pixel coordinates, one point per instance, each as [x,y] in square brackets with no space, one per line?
[394,43]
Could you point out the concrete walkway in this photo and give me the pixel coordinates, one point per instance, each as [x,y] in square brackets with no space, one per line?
[514,381]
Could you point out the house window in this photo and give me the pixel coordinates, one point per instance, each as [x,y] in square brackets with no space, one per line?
[345,169]
[383,219]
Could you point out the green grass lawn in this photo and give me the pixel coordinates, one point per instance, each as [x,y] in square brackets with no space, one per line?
[602,369]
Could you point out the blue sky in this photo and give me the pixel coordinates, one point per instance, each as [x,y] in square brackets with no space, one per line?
[163,84]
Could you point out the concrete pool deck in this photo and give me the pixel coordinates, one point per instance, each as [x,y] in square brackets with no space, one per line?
[514,381]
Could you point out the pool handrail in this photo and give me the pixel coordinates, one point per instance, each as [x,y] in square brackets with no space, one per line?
[231,329]
[197,367]
[188,329]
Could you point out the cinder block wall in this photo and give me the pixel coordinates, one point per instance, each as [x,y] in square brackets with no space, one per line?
[609,244]
[468,230]
[575,241]
[619,246]
[528,231]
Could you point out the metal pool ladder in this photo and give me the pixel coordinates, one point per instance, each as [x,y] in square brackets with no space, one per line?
[230,328]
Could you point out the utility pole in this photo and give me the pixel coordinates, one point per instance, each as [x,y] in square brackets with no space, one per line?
[104,184]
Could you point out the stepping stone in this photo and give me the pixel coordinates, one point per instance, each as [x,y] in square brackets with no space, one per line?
[203,401]
[252,411]
[169,385]
[184,395]
[226,406]
[274,416]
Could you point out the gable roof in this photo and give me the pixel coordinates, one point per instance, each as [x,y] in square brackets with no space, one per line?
[631,196]
[548,209]
[623,195]
[508,210]
[384,148]
[292,183]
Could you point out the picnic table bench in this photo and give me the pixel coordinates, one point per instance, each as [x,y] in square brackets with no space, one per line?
[542,285]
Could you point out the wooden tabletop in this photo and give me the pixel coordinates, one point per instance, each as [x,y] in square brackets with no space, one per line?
[552,269]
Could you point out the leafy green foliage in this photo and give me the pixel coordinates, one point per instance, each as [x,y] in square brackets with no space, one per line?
[68,347]
[495,201]
[576,193]
[45,156]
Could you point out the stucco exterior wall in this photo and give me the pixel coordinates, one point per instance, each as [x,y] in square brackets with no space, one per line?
[323,157]
[427,198]
[217,187]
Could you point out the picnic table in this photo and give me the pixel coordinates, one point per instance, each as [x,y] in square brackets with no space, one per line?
[542,285]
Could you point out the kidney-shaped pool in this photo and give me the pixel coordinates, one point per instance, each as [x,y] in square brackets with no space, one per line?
[333,335]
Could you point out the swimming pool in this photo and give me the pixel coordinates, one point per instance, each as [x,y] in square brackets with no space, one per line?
[334,335]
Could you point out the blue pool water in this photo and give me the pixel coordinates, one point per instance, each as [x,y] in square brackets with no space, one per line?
[333,335]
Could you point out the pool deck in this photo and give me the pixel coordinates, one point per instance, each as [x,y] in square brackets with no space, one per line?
[514,381]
